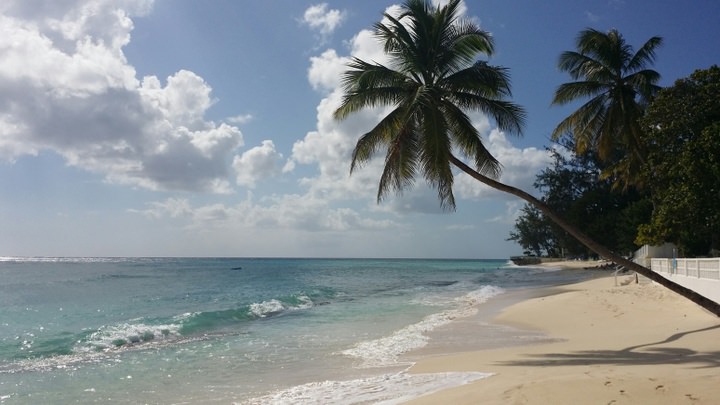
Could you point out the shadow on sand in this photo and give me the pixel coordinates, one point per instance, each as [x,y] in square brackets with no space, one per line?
[628,356]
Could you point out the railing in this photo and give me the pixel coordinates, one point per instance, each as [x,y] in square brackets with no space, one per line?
[699,268]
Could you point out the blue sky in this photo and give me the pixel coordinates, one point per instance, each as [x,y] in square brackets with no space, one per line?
[204,128]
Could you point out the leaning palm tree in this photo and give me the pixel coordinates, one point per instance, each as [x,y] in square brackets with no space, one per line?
[433,77]
[619,86]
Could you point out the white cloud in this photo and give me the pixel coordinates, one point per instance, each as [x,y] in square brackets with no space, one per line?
[519,167]
[512,211]
[310,213]
[183,101]
[291,212]
[325,73]
[240,119]
[66,87]
[365,46]
[172,207]
[330,147]
[258,163]
[325,21]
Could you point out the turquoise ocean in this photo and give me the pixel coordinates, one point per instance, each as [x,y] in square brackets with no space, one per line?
[237,330]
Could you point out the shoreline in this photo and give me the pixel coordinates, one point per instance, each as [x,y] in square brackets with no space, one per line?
[625,344]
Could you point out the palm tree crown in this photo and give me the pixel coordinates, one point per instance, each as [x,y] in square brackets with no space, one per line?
[432,78]
[619,86]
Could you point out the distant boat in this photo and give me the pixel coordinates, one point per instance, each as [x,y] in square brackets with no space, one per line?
[236,268]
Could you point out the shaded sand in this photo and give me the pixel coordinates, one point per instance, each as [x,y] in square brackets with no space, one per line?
[630,344]
[575,264]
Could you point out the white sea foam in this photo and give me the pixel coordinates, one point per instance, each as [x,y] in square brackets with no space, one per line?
[385,351]
[272,307]
[113,336]
[266,308]
[386,389]
[104,345]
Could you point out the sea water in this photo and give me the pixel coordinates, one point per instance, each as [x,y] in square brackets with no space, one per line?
[234,330]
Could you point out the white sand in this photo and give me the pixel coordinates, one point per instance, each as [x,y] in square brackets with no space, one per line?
[631,344]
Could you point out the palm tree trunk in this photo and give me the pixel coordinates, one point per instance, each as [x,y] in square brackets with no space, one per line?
[601,250]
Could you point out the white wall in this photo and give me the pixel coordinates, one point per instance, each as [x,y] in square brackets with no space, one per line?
[699,275]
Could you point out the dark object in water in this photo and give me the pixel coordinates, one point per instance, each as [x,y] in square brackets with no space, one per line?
[441,283]
[236,268]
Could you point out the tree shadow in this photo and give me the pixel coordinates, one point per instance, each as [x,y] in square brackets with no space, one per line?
[628,355]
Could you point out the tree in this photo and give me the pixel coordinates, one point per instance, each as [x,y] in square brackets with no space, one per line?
[432,78]
[683,139]
[535,233]
[619,86]
[572,186]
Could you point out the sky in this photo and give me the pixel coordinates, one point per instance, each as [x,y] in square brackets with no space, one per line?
[205,128]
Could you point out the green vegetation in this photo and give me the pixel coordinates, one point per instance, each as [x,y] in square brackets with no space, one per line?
[574,187]
[619,86]
[682,138]
[431,79]
[681,176]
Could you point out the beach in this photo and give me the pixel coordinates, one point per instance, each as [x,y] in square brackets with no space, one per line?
[607,344]
[346,331]
[246,330]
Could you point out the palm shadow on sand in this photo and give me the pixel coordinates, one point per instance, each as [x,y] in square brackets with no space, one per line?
[628,356]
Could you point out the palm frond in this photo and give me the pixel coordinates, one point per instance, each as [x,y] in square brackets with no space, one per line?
[434,153]
[645,55]
[468,40]
[396,37]
[400,163]
[583,123]
[380,135]
[480,78]
[569,92]
[370,85]
[482,87]
[466,137]
[508,116]
[583,66]
[645,84]
[608,48]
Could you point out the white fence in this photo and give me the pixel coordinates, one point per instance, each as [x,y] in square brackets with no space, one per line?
[698,268]
[643,255]
[700,275]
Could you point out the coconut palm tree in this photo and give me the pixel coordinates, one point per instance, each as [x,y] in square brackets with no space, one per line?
[432,78]
[619,86]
